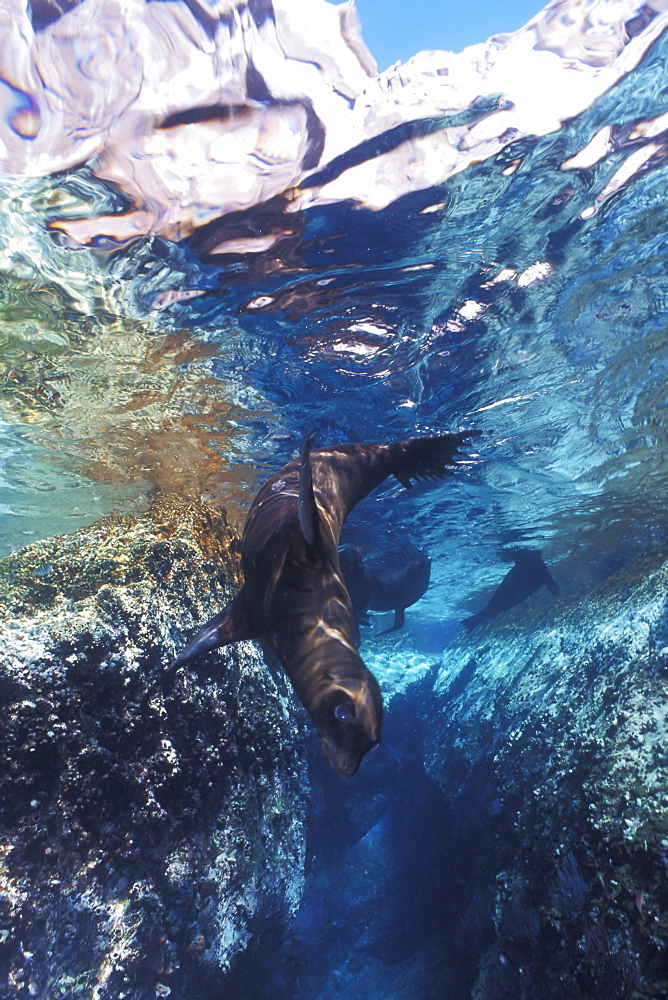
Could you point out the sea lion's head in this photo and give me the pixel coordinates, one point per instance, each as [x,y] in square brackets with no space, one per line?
[348,718]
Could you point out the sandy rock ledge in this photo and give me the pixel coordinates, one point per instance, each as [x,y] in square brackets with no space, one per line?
[146,832]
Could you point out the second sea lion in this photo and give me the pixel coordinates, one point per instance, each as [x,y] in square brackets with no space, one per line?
[394,585]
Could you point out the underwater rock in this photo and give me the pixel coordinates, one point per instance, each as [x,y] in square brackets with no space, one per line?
[553,757]
[144,832]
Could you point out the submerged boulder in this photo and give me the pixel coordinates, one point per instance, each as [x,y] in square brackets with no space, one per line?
[147,829]
[550,743]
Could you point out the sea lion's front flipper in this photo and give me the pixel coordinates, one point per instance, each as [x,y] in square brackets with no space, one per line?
[230,625]
[397,624]
[308,511]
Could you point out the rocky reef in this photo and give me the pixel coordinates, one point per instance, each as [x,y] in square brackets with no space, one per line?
[549,741]
[514,844]
[147,826]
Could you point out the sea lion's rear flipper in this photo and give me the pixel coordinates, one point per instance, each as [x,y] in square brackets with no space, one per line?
[427,458]
[230,625]
[397,624]
[308,511]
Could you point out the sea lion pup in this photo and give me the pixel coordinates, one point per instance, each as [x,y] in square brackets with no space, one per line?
[294,598]
[527,575]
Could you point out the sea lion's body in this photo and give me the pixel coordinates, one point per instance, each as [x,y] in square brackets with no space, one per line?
[294,597]
[297,598]
[528,575]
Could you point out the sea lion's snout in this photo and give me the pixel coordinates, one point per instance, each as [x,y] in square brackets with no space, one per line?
[349,726]
[343,758]
[340,761]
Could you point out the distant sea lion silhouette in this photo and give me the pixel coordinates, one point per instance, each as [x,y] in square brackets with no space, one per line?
[294,598]
[391,587]
[527,575]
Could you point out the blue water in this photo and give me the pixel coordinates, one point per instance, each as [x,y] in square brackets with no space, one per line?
[496,300]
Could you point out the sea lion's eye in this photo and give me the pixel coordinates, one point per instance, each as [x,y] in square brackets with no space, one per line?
[343,713]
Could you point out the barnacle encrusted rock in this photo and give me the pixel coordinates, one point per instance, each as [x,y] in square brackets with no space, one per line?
[146,830]
[551,741]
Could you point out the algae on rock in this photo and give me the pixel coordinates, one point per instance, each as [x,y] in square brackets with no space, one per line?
[145,828]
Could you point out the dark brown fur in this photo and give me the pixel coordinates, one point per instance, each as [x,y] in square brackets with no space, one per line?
[294,597]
